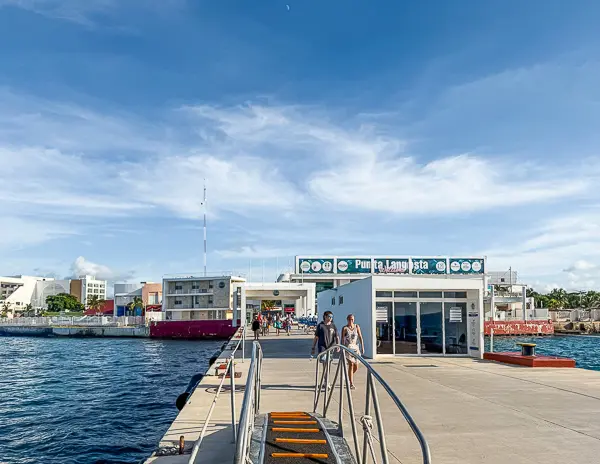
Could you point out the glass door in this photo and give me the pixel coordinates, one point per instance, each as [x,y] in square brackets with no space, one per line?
[432,328]
[455,320]
[384,327]
[405,328]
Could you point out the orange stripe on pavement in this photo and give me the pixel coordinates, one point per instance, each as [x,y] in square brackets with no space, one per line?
[289,429]
[295,422]
[307,441]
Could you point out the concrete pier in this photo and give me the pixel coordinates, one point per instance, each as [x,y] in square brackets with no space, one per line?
[470,411]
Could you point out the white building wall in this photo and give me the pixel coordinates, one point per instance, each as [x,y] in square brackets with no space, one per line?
[46,288]
[358,299]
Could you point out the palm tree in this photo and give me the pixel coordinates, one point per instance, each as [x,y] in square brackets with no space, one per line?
[135,304]
[5,309]
[94,303]
[560,295]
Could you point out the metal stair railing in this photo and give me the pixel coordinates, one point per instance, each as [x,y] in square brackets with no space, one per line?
[250,405]
[324,386]
[229,370]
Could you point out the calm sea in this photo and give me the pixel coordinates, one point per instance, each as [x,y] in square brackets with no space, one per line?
[583,348]
[91,400]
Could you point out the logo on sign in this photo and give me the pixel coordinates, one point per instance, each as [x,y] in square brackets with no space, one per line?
[315,266]
[305,266]
[441,266]
[465,266]
[455,266]
[476,266]
[327,266]
[342,266]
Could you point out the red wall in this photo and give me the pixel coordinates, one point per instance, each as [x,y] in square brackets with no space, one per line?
[519,327]
[191,330]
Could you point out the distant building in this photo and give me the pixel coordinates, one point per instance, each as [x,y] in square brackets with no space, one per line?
[17,292]
[45,288]
[87,286]
[149,292]
[202,298]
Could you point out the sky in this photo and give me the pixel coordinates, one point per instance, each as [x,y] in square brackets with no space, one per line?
[319,127]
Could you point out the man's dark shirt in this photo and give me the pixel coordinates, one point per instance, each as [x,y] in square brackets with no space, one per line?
[326,335]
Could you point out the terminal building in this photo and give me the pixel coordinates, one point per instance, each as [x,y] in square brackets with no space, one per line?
[404,305]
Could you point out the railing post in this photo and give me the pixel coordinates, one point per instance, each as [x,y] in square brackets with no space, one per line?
[351,408]
[492,340]
[232,373]
[367,413]
[382,441]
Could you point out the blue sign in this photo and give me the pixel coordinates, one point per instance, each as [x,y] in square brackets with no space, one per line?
[466,266]
[315,266]
[429,266]
[391,266]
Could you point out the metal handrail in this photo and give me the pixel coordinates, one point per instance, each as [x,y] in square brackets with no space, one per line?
[342,372]
[250,405]
[229,368]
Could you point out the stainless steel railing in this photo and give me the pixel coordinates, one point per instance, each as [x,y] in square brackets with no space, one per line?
[229,370]
[250,405]
[371,399]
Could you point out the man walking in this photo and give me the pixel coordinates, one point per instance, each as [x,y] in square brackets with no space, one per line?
[326,334]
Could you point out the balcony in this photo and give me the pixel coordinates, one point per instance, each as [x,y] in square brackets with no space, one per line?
[191,291]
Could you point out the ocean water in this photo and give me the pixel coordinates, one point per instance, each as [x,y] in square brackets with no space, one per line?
[65,400]
[585,349]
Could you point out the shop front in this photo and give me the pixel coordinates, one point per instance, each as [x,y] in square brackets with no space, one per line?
[413,315]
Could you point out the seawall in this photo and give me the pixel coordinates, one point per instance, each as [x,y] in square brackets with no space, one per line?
[519,327]
[143,332]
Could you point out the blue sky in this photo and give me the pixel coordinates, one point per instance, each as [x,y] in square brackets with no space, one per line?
[332,127]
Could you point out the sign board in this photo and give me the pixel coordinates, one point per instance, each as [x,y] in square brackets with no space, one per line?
[474,329]
[466,266]
[381,313]
[353,265]
[455,314]
[428,266]
[391,266]
[316,266]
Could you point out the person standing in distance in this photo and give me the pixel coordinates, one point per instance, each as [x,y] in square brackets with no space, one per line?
[326,334]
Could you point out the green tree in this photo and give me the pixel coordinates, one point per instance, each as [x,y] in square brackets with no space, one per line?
[135,304]
[554,304]
[5,309]
[63,302]
[95,303]
[590,300]
[561,296]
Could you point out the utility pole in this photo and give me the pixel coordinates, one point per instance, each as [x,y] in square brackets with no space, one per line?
[204,204]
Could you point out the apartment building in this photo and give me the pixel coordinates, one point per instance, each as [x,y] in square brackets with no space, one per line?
[87,286]
[202,298]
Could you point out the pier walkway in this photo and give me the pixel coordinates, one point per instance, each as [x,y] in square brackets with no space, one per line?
[470,411]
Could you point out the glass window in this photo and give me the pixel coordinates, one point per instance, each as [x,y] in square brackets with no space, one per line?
[178,287]
[384,327]
[341,299]
[430,294]
[455,294]
[405,294]
[333,301]
[383,294]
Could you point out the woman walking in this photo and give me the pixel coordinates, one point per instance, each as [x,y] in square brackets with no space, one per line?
[351,335]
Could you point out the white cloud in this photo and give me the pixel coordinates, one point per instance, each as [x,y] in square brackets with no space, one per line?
[18,232]
[444,186]
[85,12]
[82,266]
[565,249]
[241,185]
